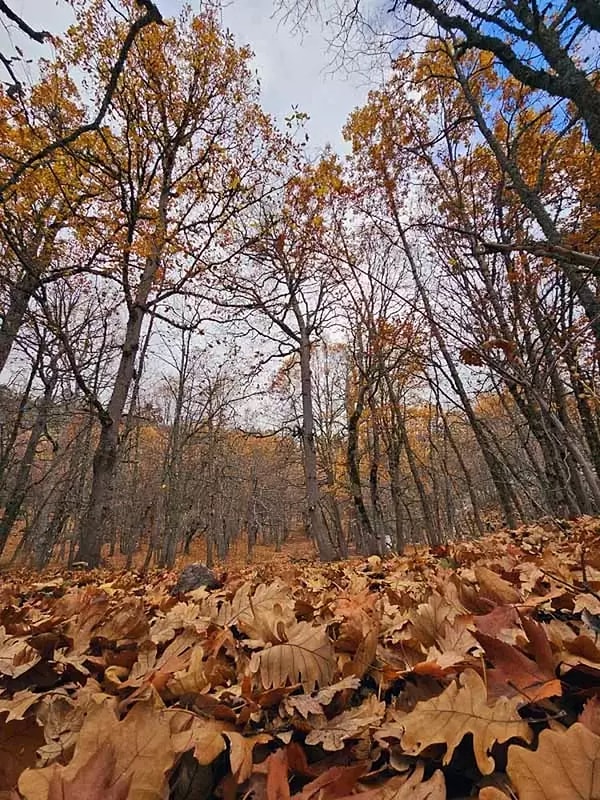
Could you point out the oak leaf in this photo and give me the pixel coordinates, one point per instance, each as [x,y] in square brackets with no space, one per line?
[333,783]
[350,724]
[495,588]
[461,709]
[414,787]
[565,766]
[93,780]
[241,751]
[516,674]
[259,613]
[16,656]
[205,736]
[306,657]
[19,741]
[141,743]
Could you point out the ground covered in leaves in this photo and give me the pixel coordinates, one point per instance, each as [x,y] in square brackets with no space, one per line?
[470,671]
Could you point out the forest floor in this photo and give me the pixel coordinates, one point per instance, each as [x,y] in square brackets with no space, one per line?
[471,670]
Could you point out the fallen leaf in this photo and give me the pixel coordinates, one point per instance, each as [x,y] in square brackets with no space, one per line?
[515,674]
[333,783]
[306,657]
[93,780]
[141,743]
[461,709]
[590,716]
[495,588]
[333,733]
[19,741]
[241,752]
[414,787]
[565,766]
[277,776]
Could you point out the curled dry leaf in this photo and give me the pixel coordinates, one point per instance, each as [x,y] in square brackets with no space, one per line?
[19,741]
[141,743]
[333,733]
[516,674]
[461,709]
[306,657]
[414,787]
[241,749]
[496,588]
[259,613]
[565,766]
[16,656]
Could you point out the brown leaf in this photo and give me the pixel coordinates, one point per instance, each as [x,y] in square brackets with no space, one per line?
[306,657]
[542,650]
[492,586]
[500,618]
[277,776]
[565,766]
[414,787]
[93,781]
[461,709]
[141,743]
[20,703]
[19,741]
[333,733]
[205,736]
[492,793]
[241,751]
[16,656]
[516,675]
[332,784]
[590,716]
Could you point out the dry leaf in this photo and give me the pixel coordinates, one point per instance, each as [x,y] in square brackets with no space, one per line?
[333,733]
[306,657]
[333,783]
[93,781]
[461,709]
[414,787]
[590,716]
[141,744]
[565,766]
[16,656]
[19,741]
[515,674]
[495,588]
[277,776]
[241,752]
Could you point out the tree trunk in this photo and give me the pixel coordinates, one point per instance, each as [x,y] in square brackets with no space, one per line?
[315,519]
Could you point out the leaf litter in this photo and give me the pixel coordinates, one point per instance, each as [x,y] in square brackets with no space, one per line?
[474,672]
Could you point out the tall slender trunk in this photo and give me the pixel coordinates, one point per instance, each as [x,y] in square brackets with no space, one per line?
[315,519]
[21,486]
[93,529]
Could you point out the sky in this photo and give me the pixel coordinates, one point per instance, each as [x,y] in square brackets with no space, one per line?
[294,69]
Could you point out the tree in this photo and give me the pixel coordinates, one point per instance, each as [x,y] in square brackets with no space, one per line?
[16,90]
[184,149]
[289,286]
[544,48]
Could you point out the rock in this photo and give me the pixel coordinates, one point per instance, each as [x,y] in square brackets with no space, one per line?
[193,577]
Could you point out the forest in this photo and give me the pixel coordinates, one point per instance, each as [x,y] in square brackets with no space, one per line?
[375,373]
[209,332]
